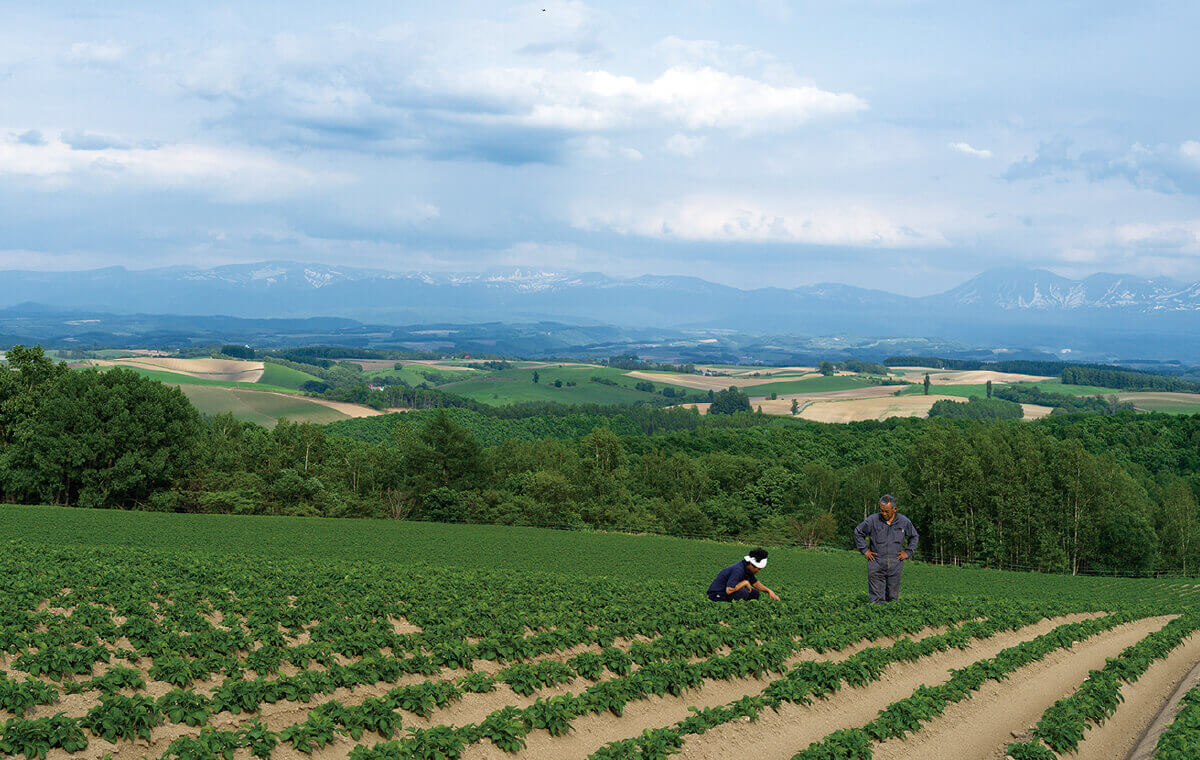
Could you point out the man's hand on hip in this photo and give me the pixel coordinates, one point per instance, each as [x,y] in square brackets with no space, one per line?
[870,555]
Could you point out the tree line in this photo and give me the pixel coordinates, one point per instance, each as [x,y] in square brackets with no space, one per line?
[1127,380]
[1112,493]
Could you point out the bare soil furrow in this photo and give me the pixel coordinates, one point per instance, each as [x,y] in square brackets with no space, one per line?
[470,709]
[983,725]
[1144,701]
[1148,745]
[779,735]
[589,733]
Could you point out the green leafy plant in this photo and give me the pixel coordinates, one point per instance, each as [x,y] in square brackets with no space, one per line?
[34,738]
[120,717]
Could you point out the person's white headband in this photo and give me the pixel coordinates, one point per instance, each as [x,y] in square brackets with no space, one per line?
[759,563]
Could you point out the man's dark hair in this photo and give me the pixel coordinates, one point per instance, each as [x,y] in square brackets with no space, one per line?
[887,498]
[758,554]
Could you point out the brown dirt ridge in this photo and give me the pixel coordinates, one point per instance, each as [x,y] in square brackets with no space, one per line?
[982,726]
[779,735]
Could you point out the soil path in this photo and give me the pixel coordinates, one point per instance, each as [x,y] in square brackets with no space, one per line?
[983,725]
[1150,690]
[589,733]
[781,734]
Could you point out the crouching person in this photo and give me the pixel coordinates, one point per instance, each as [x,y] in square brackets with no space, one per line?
[739,581]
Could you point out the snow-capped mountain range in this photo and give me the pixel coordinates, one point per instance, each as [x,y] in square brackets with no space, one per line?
[1003,306]
[1041,290]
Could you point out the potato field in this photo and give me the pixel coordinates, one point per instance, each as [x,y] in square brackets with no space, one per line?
[224,638]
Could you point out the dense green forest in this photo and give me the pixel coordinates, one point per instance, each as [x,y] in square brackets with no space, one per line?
[1070,493]
[977,409]
[1062,403]
[1127,380]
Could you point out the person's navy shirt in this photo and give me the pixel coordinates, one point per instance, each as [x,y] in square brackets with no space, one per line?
[732,576]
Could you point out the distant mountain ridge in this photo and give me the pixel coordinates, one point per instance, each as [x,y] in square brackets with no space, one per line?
[1038,289]
[1027,308]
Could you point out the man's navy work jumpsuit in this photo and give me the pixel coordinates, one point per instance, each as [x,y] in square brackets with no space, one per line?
[883,572]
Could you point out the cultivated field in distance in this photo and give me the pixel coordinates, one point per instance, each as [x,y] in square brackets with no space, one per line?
[133,634]
[265,392]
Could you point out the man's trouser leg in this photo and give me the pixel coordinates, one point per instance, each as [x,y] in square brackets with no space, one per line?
[876,581]
[746,593]
[893,580]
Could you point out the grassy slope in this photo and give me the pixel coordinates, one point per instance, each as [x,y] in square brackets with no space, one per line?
[963,391]
[256,406]
[416,374]
[508,548]
[279,376]
[513,386]
[1170,403]
[980,390]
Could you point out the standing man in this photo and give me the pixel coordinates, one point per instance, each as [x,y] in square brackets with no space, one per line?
[738,582]
[893,540]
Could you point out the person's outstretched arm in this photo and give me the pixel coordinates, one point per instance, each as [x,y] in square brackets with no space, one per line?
[762,587]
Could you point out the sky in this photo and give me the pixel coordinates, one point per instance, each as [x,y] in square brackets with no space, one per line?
[894,144]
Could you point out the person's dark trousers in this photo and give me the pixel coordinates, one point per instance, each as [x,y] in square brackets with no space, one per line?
[883,579]
[742,593]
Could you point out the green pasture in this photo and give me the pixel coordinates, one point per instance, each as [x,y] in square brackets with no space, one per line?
[1057,386]
[1170,403]
[256,406]
[962,391]
[279,376]
[979,390]
[193,537]
[513,386]
[415,374]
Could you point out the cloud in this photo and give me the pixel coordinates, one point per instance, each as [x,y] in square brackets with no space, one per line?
[96,54]
[633,154]
[694,98]
[684,145]
[709,52]
[1161,168]
[231,173]
[354,92]
[89,141]
[30,137]
[1050,158]
[739,220]
[1182,237]
[968,149]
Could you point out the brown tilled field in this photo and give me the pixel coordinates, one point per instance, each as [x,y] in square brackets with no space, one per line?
[857,410]
[224,370]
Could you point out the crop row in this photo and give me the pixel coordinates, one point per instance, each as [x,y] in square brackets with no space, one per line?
[179,669]
[1181,740]
[810,680]
[908,715]
[123,717]
[1063,725]
[508,727]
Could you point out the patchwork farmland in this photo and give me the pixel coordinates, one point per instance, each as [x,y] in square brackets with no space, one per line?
[133,635]
[266,391]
